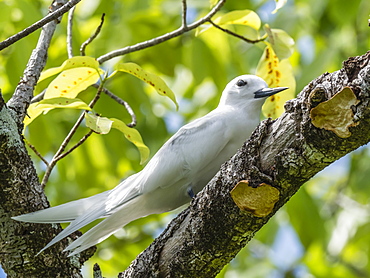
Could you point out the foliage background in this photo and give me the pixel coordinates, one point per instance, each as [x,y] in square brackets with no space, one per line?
[324,231]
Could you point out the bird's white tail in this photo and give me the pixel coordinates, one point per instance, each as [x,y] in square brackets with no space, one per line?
[123,215]
[84,211]
[63,213]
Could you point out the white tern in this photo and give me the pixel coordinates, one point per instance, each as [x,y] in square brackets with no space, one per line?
[180,169]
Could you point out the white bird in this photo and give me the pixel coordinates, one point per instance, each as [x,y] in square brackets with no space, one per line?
[180,169]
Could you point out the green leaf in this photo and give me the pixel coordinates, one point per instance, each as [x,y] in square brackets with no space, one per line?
[98,124]
[276,73]
[103,125]
[133,136]
[155,81]
[74,62]
[45,105]
[241,17]
[281,42]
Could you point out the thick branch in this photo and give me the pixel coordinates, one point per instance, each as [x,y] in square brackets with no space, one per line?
[20,190]
[284,153]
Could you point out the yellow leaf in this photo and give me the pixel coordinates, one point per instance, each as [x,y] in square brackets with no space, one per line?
[44,106]
[336,113]
[103,125]
[98,124]
[33,112]
[155,81]
[133,136]
[241,17]
[279,5]
[276,74]
[281,42]
[61,102]
[74,62]
[71,82]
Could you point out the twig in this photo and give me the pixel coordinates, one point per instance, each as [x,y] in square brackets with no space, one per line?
[82,140]
[54,15]
[122,102]
[38,97]
[160,39]
[97,271]
[58,155]
[69,32]
[89,40]
[237,35]
[32,147]
[184,14]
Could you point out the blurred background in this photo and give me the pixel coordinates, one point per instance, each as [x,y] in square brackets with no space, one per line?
[324,231]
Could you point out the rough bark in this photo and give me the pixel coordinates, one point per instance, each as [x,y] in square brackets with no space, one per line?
[284,153]
[20,190]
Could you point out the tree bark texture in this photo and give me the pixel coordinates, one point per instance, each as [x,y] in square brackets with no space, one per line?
[284,154]
[20,190]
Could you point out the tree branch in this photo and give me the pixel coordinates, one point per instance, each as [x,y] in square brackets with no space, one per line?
[50,17]
[69,32]
[122,102]
[142,45]
[89,40]
[184,14]
[237,35]
[208,234]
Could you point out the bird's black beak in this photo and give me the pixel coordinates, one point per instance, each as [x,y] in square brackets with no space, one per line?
[266,92]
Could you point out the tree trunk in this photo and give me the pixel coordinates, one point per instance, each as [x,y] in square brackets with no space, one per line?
[282,154]
[20,189]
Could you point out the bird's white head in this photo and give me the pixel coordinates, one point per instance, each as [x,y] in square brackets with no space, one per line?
[246,90]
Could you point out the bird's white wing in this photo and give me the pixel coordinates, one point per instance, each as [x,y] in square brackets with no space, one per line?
[192,148]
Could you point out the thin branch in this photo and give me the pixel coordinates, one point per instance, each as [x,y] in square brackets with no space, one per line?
[38,97]
[82,140]
[184,14]
[54,15]
[32,147]
[122,102]
[89,40]
[69,32]
[97,271]
[237,35]
[163,38]
[58,155]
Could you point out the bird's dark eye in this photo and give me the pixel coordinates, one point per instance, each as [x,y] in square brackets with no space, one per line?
[241,83]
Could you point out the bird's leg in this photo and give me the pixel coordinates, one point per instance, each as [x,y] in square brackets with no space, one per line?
[190,192]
